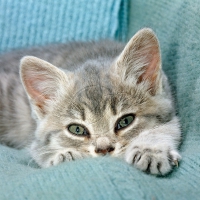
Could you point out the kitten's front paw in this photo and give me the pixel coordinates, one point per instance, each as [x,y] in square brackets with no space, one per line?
[62,156]
[154,160]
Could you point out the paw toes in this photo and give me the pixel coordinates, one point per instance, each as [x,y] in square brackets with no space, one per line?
[144,163]
[148,169]
[136,157]
[61,157]
[150,163]
[159,165]
[175,162]
[69,156]
[158,161]
[174,157]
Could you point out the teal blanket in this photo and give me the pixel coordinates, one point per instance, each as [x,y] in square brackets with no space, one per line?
[33,22]
[177,25]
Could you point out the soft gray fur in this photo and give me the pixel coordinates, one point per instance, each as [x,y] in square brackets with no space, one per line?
[96,84]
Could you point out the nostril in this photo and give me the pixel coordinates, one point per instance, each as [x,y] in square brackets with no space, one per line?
[111,149]
[104,151]
[97,150]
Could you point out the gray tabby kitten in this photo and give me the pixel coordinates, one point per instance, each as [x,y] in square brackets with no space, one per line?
[103,99]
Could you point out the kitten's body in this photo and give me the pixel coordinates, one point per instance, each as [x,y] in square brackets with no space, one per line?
[98,86]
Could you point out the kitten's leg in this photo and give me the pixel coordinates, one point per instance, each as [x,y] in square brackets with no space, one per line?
[156,150]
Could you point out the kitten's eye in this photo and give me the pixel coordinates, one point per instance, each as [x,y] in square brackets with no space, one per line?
[78,130]
[124,121]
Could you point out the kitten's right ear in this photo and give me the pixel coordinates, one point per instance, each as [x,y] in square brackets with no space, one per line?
[140,61]
[43,82]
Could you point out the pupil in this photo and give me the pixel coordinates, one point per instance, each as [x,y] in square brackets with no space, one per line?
[126,121]
[77,129]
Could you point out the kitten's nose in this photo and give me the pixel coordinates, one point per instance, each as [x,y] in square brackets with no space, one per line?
[105,151]
[103,146]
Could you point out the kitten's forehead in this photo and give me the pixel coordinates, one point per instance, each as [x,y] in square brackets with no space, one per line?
[96,93]
[92,91]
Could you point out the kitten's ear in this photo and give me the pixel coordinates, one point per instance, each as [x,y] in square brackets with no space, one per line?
[141,59]
[43,83]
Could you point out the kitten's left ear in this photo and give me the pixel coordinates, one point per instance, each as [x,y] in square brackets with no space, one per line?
[43,82]
[140,61]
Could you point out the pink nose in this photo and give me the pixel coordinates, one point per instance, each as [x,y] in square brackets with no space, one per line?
[104,150]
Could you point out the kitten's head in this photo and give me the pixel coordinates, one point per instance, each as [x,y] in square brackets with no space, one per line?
[99,108]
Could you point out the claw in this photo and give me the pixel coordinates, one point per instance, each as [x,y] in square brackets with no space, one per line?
[176,162]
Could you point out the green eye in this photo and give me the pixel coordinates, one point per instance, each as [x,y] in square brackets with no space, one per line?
[124,122]
[78,130]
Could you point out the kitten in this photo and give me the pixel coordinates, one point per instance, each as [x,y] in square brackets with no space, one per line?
[104,99]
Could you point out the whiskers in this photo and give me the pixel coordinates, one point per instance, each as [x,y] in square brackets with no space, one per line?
[121,149]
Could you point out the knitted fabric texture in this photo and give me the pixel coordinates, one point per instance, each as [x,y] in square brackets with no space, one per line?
[178,28]
[26,22]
